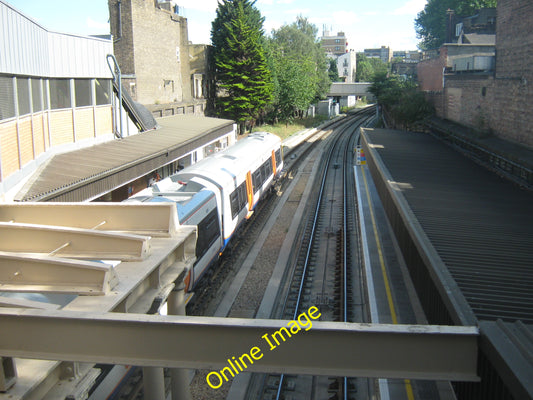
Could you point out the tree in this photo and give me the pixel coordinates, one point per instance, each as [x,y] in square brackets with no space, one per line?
[368,67]
[333,71]
[299,67]
[432,22]
[243,78]
[401,99]
[295,87]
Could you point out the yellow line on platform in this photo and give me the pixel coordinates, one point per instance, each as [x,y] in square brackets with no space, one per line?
[407,382]
[380,253]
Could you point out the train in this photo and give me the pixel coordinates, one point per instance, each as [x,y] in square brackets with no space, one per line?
[218,193]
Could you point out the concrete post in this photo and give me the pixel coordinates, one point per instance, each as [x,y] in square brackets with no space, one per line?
[154,383]
[179,382]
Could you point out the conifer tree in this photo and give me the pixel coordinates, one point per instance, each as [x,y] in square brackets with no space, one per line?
[243,78]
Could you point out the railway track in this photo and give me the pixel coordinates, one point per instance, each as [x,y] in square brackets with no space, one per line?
[325,271]
[217,279]
[247,298]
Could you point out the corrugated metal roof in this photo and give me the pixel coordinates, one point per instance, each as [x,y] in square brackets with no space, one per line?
[480,38]
[91,172]
[480,225]
[509,347]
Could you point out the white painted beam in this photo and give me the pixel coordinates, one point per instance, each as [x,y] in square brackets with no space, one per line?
[327,348]
[72,242]
[154,219]
[12,302]
[31,273]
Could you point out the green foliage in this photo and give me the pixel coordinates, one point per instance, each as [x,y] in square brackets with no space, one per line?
[284,130]
[243,77]
[401,99]
[296,87]
[299,68]
[333,71]
[225,13]
[431,23]
[368,67]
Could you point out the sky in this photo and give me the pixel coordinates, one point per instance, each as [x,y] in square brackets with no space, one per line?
[366,23]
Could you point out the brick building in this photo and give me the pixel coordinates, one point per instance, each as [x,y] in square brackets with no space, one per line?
[62,137]
[513,91]
[152,48]
[497,99]
[347,66]
[384,53]
[334,44]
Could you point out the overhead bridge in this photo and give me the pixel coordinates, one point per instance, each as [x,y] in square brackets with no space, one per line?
[106,321]
[328,348]
[341,89]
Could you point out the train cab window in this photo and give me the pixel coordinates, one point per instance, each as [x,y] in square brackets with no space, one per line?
[242,195]
[278,157]
[238,199]
[234,201]
[208,232]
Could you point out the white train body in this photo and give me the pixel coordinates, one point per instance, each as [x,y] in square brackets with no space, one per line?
[219,192]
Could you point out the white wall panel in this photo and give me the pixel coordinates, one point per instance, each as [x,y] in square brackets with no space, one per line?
[26,48]
[22,43]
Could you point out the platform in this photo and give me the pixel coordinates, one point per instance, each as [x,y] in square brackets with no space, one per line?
[91,172]
[466,235]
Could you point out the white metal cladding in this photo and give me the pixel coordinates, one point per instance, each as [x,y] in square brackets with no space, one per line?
[29,49]
[23,44]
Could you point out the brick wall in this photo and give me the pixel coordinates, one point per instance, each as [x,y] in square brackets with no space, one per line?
[513,92]
[438,100]
[470,100]
[499,103]
[23,140]
[84,121]
[63,129]
[153,47]
[39,129]
[9,149]
[430,73]
[122,31]
[103,120]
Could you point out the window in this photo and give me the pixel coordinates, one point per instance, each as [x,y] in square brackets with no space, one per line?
[83,92]
[36,96]
[23,94]
[210,149]
[208,232]
[256,179]
[234,201]
[103,91]
[278,157]
[7,99]
[45,94]
[262,173]
[238,199]
[266,170]
[60,93]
